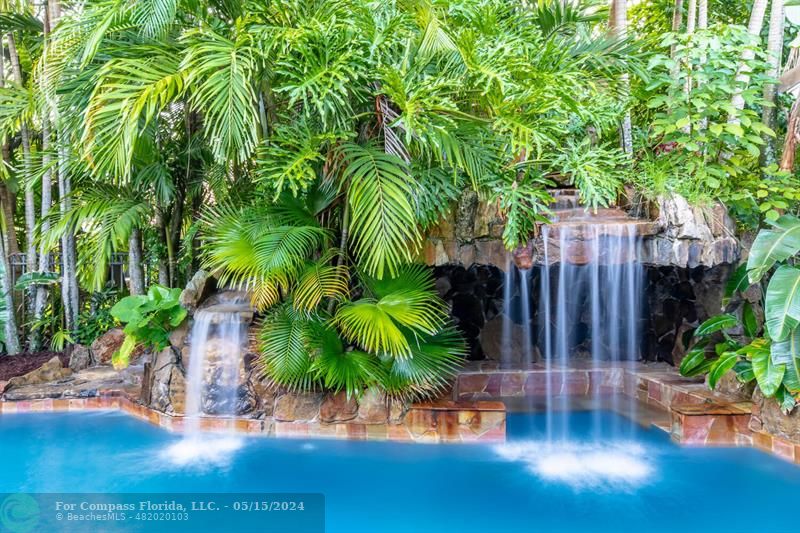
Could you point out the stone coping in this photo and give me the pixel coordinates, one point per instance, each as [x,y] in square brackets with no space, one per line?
[450,422]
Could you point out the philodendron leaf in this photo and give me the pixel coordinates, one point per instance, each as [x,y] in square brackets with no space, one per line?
[716,323]
[768,375]
[726,362]
[772,246]
[738,282]
[782,303]
[749,320]
[695,362]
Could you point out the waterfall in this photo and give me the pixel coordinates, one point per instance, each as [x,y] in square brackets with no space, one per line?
[215,372]
[218,341]
[595,299]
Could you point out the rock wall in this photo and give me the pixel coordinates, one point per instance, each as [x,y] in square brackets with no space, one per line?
[677,300]
[164,381]
[683,236]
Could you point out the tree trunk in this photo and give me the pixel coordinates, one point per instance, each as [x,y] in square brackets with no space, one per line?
[691,17]
[47,188]
[702,14]
[743,77]
[8,200]
[163,263]
[677,22]
[792,138]
[620,29]
[135,270]
[10,320]
[774,51]
[30,200]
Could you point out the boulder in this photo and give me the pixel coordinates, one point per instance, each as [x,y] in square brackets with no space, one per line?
[373,407]
[338,408]
[297,407]
[767,417]
[730,386]
[80,358]
[492,341]
[177,390]
[178,336]
[198,288]
[51,371]
[106,345]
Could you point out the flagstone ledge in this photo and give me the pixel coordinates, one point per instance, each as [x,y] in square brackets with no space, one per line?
[441,421]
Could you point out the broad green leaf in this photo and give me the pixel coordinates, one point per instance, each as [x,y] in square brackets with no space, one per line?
[716,323]
[782,302]
[749,320]
[737,283]
[768,375]
[725,363]
[744,371]
[773,245]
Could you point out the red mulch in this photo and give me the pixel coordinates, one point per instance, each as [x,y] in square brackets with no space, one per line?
[22,363]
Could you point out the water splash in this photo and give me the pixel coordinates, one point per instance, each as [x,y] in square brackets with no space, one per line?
[582,466]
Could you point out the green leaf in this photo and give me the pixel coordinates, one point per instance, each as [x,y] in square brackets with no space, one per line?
[744,371]
[773,245]
[737,283]
[695,363]
[725,363]
[782,302]
[749,320]
[768,375]
[716,323]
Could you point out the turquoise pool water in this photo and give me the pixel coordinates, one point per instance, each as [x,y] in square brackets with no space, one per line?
[641,482]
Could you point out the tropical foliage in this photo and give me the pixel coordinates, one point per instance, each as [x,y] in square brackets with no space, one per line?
[768,352]
[148,319]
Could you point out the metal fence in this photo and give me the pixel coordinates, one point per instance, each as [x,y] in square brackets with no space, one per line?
[117,267]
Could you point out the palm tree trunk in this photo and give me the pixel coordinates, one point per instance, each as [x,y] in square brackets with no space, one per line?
[702,14]
[135,271]
[620,29]
[743,77]
[10,322]
[30,200]
[691,17]
[47,186]
[677,22]
[7,199]
[792,138]
[774,52]
[163,263]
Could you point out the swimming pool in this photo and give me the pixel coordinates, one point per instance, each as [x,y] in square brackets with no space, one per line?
[640,482]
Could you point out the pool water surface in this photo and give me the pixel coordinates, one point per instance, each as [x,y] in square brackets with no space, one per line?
[639,481]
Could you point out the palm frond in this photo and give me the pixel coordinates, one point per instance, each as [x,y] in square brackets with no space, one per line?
[221,72]
[383,224]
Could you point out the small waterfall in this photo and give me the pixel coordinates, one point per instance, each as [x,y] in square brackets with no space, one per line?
[508,292]
[516,338]
[215,372]
[218,342]
[590,308]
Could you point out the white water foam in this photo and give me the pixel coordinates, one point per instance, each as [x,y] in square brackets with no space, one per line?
[208,450]
[617,466]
